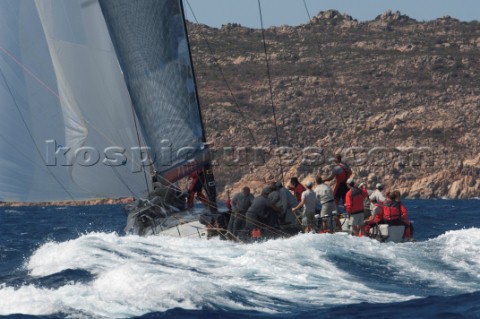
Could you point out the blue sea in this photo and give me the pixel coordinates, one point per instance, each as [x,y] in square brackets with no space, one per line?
[75,262]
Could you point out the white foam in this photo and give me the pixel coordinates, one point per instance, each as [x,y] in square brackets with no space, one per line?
[461,250]
[13,212]
[136,275]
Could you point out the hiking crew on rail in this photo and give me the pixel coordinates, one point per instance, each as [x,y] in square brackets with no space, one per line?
[278,211]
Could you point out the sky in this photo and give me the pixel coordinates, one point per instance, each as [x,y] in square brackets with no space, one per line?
[292,12]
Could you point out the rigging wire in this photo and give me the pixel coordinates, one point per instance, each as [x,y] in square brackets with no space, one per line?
[208,176]
[210,49]
[270,88]
[31,136]
[139,143]
[330,80]
[124,182]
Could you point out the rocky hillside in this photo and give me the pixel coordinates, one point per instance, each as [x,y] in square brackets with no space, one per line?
[399,98]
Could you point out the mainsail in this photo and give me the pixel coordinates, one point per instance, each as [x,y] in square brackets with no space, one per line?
[151,42]
[84,87]
[152,47]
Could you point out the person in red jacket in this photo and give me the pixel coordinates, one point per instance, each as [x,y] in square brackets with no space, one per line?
[296,188]
[354,206]
[341,173]
[395,213]
[196,188]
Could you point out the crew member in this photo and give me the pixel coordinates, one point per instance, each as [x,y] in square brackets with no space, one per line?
[395,214]
[296,188]
[354,206]
[341,172]
[287,202]
[377,195]
[325,198]
[367,210]
[240,203]
[308,201]
[258,214]
[376,217]
[196,188]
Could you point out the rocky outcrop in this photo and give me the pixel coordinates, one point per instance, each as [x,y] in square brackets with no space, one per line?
[390,16]
[400,99]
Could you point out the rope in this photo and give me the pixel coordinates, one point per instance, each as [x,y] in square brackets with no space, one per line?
[254,223]
[209,204]
[270,87]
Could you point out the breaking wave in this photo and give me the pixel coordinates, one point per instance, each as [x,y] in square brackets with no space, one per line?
[107,275]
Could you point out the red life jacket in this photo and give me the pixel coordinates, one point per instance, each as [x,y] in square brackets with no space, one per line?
[355,198]
[347,172]
[391,210]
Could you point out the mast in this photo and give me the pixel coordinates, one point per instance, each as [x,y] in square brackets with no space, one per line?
[209,183]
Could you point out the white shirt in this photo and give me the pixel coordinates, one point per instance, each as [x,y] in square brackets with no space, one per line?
[324,193]
[309,200]
[378,196]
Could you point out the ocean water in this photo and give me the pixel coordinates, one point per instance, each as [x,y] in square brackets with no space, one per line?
[75,262]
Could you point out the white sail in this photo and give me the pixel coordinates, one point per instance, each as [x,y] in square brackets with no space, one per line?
[61,86]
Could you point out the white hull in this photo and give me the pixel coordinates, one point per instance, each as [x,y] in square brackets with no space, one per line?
[383,232]
[192,230]
[387,233]
[195,229]
[186,224]
[178,224]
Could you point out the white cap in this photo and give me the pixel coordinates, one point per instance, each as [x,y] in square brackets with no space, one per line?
[379,186]
[309,184]
[350,180]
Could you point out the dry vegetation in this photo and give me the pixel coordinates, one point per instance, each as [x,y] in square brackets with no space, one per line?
[338,83]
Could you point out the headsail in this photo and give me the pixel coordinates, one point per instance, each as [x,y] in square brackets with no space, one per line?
[68,129]
[61,86]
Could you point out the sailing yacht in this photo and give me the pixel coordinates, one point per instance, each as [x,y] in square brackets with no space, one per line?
[99,100]
[98,97]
